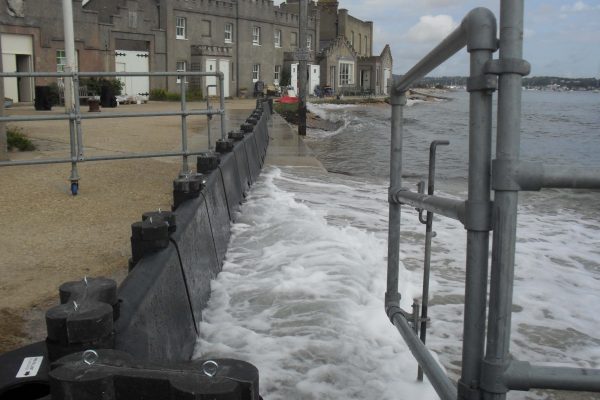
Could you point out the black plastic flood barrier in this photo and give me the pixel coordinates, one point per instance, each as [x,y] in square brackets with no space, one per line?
[156,321]
[218,212]
[252,154]
[242,164]
[231,181]
[114,375]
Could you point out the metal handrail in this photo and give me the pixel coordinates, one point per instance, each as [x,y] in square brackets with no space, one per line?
[487,373]
[75,116]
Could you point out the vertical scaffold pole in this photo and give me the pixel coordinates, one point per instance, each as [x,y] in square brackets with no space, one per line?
[398,101]
[481,44]
[302,66]
[70,97]
[505,201]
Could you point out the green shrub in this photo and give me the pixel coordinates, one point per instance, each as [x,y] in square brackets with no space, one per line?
[194,94]
[17,140]
[173,96]
[158,94]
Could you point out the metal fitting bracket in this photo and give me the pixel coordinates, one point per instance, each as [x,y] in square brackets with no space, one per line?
[492,377]
[507,66]
[482,83]
[392,199]
[511,175]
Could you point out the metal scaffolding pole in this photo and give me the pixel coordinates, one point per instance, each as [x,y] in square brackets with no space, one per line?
[302,67]
[505,201]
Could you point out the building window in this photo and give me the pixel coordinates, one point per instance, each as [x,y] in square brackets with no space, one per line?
[180,66]
[206,28]
[366,45]
[359,43]
[346,73]
[180,28]
[228,33]
[294,39]
[255,72]
[256,35]
[309,42]
[277,74]
[352,38]
[61,60]
[277,38]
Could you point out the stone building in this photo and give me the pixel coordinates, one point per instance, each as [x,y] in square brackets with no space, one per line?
[247,40]
[346,52]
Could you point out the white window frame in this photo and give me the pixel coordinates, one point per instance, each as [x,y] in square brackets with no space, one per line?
[277,74]
[277,38]
[255,73]
[181,66]
[346,73]
[61,60]
[256,35]
[229,32]
[180,28]
[309,42]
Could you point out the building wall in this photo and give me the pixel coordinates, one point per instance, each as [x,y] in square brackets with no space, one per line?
[97,32]
[358,33]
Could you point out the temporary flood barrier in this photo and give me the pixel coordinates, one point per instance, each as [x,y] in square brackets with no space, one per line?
[121,342]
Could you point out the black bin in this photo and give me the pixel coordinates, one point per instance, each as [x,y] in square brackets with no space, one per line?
[43,98]
[107,97]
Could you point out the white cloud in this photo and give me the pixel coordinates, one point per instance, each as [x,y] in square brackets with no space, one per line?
[431,28]
[579,6]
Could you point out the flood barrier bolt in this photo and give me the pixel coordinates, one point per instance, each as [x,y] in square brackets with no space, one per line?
[168,216]
[224,146]
[186,188]
[148,237]
[236,135]
[246,127]
[78,325]
[207,162]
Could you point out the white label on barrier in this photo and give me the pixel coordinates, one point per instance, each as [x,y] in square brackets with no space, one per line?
[30,367]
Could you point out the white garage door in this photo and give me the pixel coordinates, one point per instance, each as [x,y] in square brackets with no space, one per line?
[134,61]
[17,56]
[224,68]
[211,66]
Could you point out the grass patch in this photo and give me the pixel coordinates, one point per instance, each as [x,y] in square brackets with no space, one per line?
[16,139]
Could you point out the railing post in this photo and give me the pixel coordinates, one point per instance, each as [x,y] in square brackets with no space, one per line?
[398,101]
[185,168]
[481,43]
[505,201]
[222,105]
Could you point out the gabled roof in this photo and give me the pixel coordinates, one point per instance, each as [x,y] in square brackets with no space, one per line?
[386,51]
[338,42]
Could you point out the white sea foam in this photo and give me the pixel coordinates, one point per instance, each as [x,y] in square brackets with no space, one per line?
[300,295]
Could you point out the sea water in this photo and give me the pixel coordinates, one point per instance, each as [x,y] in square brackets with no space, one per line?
[301,292]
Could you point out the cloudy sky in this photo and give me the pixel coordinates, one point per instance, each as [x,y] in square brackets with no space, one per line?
[562,38]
